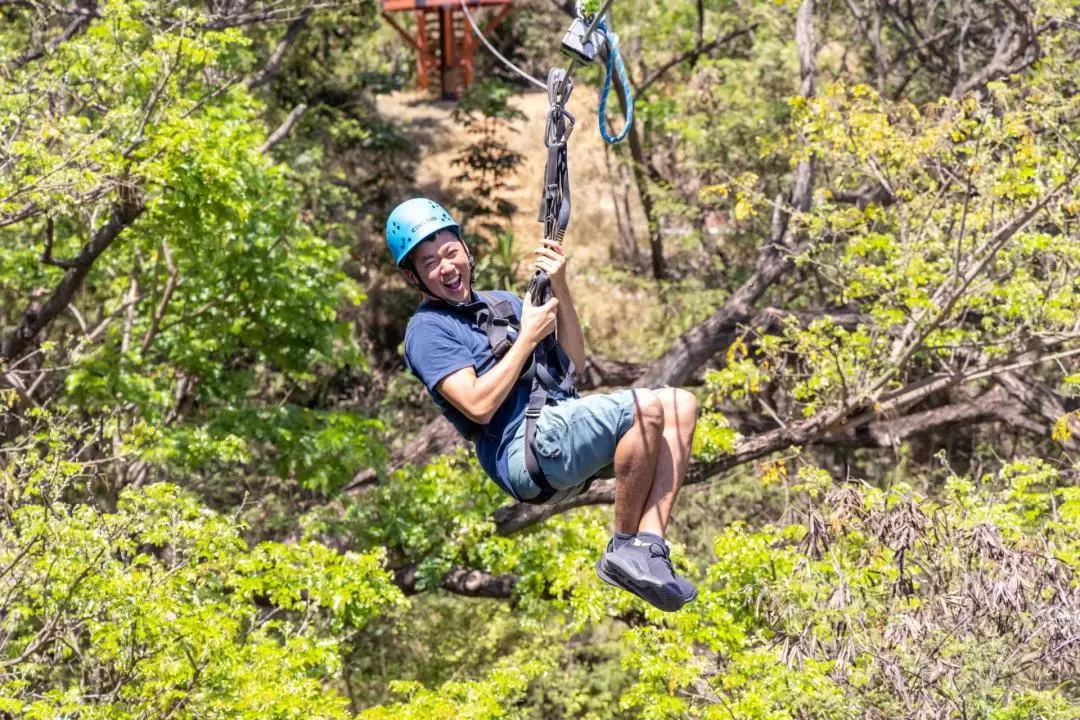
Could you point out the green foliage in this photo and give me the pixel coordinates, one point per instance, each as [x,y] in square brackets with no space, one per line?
[218,304]
[205,347]
[497,266]
[320,450]
[440,517]
[161,608]
[485,110]
[474,700]
[714,437]
[881,604]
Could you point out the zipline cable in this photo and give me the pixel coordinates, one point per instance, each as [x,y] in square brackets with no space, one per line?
[496,53]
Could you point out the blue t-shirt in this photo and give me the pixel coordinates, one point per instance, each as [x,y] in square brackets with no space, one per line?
[439,341]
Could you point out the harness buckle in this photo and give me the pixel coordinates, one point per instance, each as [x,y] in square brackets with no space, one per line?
[502,348]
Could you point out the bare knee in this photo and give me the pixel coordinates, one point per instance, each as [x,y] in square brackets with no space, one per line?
[680,409]
[686,403]
[649,412]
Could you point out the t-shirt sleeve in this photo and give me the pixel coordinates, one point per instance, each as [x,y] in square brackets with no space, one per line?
[432,352]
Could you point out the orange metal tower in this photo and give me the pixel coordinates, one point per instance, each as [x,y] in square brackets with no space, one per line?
[448,44]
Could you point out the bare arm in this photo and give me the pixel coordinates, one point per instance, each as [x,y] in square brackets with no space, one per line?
[571,337]
[549,258]
[479,398]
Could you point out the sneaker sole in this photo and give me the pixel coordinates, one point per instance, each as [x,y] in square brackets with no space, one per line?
[631,585]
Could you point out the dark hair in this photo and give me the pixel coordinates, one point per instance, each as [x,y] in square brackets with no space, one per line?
[408,262]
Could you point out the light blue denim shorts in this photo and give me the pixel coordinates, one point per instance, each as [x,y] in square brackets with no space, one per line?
[574,439]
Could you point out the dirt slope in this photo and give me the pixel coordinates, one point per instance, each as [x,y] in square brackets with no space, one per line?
[439,140]
[612,313]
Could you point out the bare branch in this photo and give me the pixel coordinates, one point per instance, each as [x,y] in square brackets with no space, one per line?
[124,212]
[46,254]
[273,64]
[76,26]
[1017,47]
[26,213]
[131,301]
[275,14]
[283,130]
[693,54]
[170,288]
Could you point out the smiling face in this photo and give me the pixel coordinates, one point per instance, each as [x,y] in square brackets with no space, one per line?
[443,264]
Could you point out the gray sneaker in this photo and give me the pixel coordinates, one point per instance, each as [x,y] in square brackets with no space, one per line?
[643,567]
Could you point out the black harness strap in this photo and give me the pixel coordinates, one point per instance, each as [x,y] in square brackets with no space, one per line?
[548,355]
[495,320]
[555,198]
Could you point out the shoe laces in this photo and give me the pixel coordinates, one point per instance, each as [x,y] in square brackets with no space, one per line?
[660,550]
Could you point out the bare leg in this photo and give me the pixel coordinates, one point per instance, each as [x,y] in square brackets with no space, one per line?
[680,417]
[635,463]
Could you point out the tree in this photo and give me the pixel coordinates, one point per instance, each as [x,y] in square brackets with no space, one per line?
[160,608]
[198,519]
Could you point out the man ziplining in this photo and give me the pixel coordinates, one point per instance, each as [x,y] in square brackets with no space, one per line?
[493,366]
[503,372]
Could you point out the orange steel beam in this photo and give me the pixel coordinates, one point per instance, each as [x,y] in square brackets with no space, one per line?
[446,32]
[471,42]
[446,27]
[446,54]
[497,20]
[395,5]
[426,59]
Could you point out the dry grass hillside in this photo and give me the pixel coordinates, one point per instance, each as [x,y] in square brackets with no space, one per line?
[615,314]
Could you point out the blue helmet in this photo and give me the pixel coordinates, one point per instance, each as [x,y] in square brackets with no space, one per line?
[414,221]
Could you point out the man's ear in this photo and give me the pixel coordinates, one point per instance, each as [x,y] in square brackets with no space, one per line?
[410,277]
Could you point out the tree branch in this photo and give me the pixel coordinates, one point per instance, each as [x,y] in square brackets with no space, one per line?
[170,288]
[827,428]
[280,14]
[1017,47]
[283,130]
[76,26]
[124,212]
[461,581]
[25,213]
[273,64]
[694,347]
[693,54]
[46,253]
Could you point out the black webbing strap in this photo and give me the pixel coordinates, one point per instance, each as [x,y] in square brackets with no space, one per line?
[549,363]
[551,371]
[555,197]
[495,320]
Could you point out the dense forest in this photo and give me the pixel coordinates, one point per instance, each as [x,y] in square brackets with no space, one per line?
[849,227]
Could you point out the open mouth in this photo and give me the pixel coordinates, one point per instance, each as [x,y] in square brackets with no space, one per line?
[453,284]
